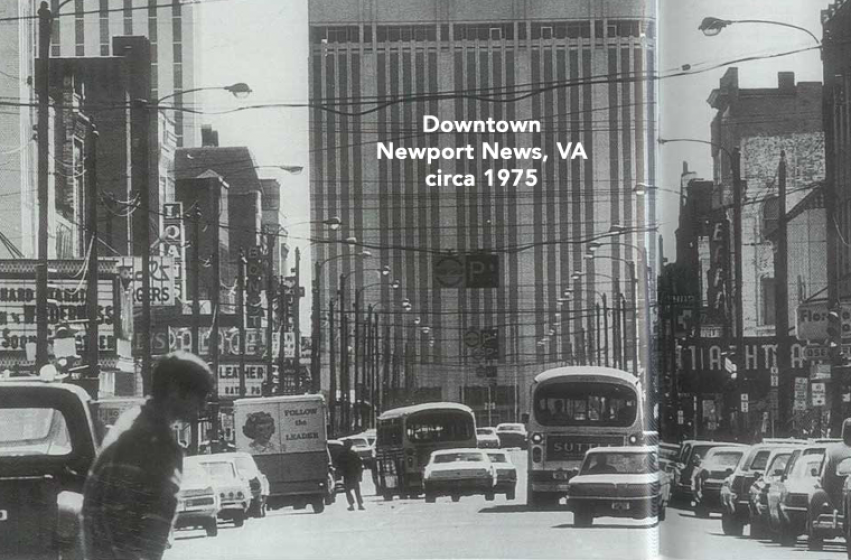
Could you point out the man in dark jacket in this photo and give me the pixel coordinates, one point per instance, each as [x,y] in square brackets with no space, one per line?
[351,465]
[130,497]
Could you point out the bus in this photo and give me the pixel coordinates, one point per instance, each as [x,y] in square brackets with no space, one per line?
[573,409]
[406,437]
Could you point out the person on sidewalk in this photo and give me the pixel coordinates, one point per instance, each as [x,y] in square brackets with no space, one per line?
[351,465]
[130,496]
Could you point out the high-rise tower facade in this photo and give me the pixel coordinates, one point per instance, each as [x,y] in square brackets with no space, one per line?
[580,70]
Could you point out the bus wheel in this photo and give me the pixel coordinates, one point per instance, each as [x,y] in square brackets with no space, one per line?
[489,496]
[583,518]
[318,505]
[430,498]
[388,496]
[456,497]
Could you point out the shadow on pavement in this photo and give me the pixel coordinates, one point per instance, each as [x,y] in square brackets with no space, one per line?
[511,508]
[606,526]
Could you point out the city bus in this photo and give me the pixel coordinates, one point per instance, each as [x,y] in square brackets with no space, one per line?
[406,437]
[573,409]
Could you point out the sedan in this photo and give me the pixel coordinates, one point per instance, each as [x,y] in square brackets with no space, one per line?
[459,472]
[511,435]
[486,438]
[198,504]
[506,473]
[616,482]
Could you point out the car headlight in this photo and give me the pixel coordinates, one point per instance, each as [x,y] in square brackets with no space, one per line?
[240,495]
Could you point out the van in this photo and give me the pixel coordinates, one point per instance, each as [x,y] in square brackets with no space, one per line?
[287,436]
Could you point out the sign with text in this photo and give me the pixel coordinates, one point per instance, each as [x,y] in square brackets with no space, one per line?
[472,270]
[180,338]
[18,311]
[173,243]
[254,286]
[162,274]
[255,374]
[811,320]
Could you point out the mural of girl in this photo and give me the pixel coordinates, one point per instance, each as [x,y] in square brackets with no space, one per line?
[259,427]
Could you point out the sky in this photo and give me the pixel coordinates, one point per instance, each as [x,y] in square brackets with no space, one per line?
[264,43]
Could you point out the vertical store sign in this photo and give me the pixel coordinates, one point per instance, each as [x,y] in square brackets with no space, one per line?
[173,239]
[254,285]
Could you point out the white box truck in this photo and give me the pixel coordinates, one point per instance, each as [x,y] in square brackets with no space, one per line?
[287,436]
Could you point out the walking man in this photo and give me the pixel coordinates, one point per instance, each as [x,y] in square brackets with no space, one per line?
[351,465]
[130,495]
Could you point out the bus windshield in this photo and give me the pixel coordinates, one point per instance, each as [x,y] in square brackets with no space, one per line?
[430,427]
[585,404]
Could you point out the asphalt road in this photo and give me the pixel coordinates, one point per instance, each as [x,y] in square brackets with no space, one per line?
[471,528]
[685,536]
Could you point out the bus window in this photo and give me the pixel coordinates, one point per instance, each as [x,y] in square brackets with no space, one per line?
[586,404]
[389,432]
[422,428]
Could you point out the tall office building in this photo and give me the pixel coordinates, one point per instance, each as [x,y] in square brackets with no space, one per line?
[577,68]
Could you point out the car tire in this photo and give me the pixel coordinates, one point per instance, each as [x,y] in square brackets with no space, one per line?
[701,511]
[662,513]
[786,538]
[489,496]
[758,529]
[815,542]
[583,517]
[238,519]
[430,498]
[510,495]
[318,506]
[731,525]
[212,528]
[388,496]
[456,498]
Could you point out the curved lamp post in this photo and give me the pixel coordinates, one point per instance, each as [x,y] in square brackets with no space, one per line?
[712,26]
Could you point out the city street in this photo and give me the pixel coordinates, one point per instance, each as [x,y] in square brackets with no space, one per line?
[472,528]
[682,535]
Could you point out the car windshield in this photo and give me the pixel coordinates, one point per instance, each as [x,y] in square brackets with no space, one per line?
[485,431]
[618,463]
[455,457]
[220,470]
[722,460]
[193,472]
[33,431]
[358,442]
[699,450]
[585,404]
[510,428]
[497,458]
[778,463]
[806,463]
[427,427]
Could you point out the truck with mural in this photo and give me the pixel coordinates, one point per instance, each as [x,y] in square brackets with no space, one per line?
[287,435]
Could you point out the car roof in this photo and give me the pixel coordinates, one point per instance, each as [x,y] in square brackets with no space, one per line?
[520,424]
[712,442]
[283,399]
[405,410]
[457,450]
[585,370]
[724,449]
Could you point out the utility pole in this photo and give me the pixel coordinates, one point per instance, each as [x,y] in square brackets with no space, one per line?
[213,341]
[92,349]
[296,294]
[195,216]
[240,302]
[43,92]
[597,331]
[780,395]
[358,370]
[316,343]
[284,294]
[344,355]
[625,331]
[606,327]
[616,331]
[332,358]
[633,284]
[148,114]
[270,298]
[737,265]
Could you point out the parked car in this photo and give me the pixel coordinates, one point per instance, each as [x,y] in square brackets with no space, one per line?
[691,454]
[198,503]
[735,490]
[825,516]
[48,443]
[246,468]
[511,434]
[234,491]
[845,468]
[719,463]
[486,438]
[758,493]
[459,472]
[506,473]
[789,497]
[617,482]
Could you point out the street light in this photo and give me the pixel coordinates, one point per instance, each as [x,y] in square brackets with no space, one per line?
[712,26]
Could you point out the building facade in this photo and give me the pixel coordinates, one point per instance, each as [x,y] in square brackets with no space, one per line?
[364,50]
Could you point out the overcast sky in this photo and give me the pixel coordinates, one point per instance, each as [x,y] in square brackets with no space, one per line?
[264,43]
